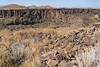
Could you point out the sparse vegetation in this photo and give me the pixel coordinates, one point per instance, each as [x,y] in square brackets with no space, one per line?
[24,48]
[89,57]
[70,38]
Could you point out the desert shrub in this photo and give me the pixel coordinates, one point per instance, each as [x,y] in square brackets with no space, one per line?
[23,54]
[89,57]
[96,18]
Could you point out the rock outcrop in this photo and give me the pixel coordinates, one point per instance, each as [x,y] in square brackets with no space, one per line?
[75,16]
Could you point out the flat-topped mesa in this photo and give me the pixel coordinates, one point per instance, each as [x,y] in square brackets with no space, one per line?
[31,16]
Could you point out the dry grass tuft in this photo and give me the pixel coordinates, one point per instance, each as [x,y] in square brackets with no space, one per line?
[21,54]
[89,57]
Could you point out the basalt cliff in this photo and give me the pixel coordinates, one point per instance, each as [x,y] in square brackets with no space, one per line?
[56,16]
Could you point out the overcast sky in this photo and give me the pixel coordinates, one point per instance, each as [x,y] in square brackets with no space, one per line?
[55,3]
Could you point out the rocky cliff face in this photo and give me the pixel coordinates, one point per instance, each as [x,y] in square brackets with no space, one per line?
[52,16]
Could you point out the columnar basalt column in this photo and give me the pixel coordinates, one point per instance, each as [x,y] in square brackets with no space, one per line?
[14,16]
[9,13]
[2,13]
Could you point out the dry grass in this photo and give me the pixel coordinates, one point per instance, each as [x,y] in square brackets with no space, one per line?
[89,57]
[23,54]
[18,47]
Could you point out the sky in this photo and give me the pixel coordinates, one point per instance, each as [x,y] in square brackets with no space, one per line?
[56,3]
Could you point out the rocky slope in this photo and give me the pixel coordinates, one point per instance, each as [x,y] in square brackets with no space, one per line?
[45,47]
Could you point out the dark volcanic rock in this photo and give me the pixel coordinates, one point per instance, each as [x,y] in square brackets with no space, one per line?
[67,17]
